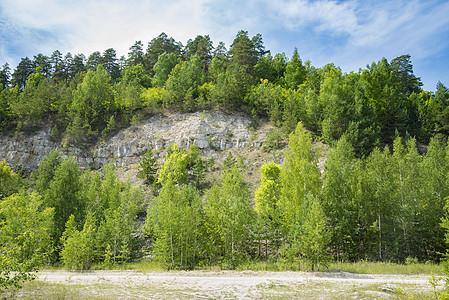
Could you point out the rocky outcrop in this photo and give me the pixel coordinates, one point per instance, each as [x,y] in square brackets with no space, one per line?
[209,131]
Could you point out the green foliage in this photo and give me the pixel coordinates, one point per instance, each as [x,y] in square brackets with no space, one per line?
[9,181]
[25,238]
[182,166]
[295,72]
[183,82]
[274,140]
[228,215]
[118,233]
[379,203]
[316,236]
[63,195]
[46,171]
[79,247]
[93,101]
[268,98]
[148,167]
[267,195]
[116,207]
[163,67]
[339,199]
[156,47]
[175,222]
[368,106]
[300,179]
[175,166]
[231,88]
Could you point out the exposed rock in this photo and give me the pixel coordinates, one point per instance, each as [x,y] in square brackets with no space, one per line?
[209,131]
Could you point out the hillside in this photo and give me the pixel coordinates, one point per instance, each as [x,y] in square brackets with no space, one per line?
[213,132]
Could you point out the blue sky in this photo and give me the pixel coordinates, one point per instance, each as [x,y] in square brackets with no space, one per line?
[351,34]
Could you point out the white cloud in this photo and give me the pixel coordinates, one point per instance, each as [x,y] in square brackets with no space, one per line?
[87,26]
[322,15]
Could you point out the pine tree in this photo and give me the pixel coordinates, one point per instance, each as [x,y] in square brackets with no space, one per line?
[148,167]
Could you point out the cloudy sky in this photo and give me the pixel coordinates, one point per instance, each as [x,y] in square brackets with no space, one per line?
[350,33]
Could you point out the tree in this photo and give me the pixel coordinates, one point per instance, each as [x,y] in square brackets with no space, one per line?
[93,103]
[438,110]
[300,181]
[270,68]
[109,62]
[217,67]
[266,198]
[63,195]
[245,52]
[175,222]
[300,176]
[120,229]
[295,72]
[231,87]
[339,202]
[220,50]
[5,74]
[148,167]
[57,65]
[201,46]
[21,73]
[25,238]
[77,66]
[268,98]
[162,68]
[9,181]
[316,236]
[135,54]
[44,175]
[93,61]
[380,185]
[175,166]
[434,169]
[383,91]
[66,72]
[158,46]
[79,247]
[44,62]
[403,70]
[183,82]
[228,214]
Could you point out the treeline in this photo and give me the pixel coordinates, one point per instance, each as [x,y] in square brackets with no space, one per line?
[86,98]
[389,206]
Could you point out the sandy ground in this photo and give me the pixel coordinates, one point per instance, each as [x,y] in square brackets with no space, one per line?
[227,285]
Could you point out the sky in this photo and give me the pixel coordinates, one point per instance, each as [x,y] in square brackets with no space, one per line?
[351,34]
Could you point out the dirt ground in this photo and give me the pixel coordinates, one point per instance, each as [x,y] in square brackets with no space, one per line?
[222,285]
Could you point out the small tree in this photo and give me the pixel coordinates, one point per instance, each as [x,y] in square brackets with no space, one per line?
[315,237]
[79,249]
[148,167]
[9,181]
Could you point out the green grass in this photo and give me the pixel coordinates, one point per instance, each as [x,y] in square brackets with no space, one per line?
[365,267]
[361,267]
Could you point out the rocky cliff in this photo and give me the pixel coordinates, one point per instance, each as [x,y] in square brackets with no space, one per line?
[211,131]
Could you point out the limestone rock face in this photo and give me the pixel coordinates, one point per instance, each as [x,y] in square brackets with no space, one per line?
[209,131]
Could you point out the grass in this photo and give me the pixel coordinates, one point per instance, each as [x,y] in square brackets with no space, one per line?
[361,267]
[365,267]
[144,265]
